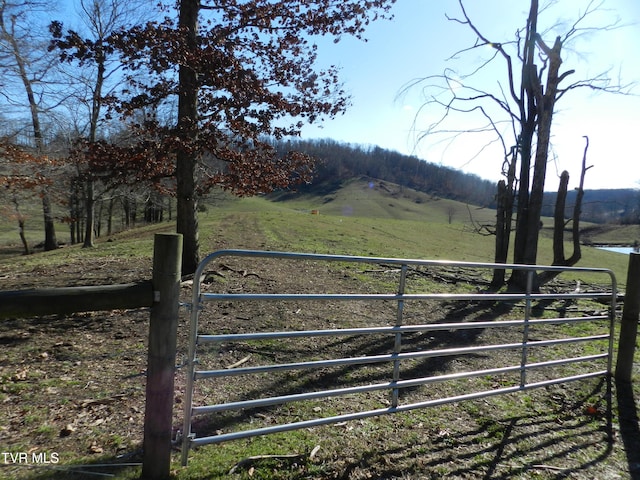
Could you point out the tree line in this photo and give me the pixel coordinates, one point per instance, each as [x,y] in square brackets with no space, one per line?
[335,161]
[614,206]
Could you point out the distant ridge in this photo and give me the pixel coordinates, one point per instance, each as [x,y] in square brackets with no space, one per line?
[338,162]
[601,206]
[374,198]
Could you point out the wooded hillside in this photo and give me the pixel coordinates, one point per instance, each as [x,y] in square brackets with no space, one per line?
[339,161]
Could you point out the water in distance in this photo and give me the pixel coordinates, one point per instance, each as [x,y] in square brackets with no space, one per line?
[625,250]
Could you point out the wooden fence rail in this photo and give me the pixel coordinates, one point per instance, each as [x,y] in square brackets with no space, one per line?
[67,300]
[161,294]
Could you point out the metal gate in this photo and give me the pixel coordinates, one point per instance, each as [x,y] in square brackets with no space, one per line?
[592,362]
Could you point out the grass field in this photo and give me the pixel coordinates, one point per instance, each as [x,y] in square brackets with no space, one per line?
[362,217]
[84,370]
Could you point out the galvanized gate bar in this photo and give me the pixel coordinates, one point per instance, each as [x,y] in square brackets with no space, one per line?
[479,297]
[396,356]
[385,411]
[392,357]
[230,337]
[265,402]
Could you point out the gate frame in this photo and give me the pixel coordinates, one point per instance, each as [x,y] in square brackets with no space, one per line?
[188,438]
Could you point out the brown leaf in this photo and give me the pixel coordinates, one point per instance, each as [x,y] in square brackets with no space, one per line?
[68,430]
[95,448]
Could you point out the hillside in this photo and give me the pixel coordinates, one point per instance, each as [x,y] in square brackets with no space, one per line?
[338,162]
[402,219]
[453,195]
[368,197]
[601,206]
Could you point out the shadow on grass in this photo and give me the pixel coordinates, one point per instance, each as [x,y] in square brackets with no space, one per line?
[544,442]
[562,442]
[629,426]
[519,447]
[475,454]
[104,466]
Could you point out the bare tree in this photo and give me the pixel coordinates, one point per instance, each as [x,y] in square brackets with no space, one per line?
[524,104]
[560,222]
[25,62]
[96,75]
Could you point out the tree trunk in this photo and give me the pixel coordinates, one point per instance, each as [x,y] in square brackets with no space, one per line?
[559,223]
[89,215]
[518,277]
[98,219]
[50,240]
[79,225]
[20,217]
[125,211]
[546,104]
[502,235]
[577,210]
[74,212]
[133,211]
[540,104]
[72,232]
[23,238]
[529,88]
[186,211]
[504,217]
[96,103]
[110,216]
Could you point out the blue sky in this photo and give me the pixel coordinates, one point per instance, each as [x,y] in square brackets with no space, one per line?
[420,41]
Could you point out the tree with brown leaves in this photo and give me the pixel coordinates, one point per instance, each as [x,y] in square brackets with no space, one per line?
[22,174]
[236,72]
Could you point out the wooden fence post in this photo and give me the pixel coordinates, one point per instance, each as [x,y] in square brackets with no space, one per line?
[163,331]
[629,322]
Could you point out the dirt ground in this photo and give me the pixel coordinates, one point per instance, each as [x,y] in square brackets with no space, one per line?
[73,385]
[73,389]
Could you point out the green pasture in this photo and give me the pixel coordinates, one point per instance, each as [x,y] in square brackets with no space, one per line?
[358,219]
[361,218]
